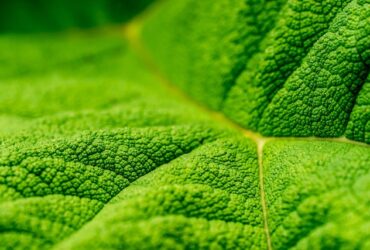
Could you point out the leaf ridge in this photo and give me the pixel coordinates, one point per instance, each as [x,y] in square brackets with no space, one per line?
[132,31]
[306,52]
[256,44]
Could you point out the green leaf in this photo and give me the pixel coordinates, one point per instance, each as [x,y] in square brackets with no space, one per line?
[100,150]
[19,16]
[282,68]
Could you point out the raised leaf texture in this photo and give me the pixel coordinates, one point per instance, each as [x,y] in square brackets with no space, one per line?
[98,152]
[300,75]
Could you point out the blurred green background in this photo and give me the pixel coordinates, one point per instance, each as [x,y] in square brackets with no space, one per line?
[28,16]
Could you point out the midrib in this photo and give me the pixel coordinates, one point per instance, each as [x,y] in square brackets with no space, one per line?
[131,32]
[260,145]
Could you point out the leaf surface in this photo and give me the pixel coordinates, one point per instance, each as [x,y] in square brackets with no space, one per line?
[100,151]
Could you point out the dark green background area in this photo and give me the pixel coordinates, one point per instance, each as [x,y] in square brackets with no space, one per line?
[25,16]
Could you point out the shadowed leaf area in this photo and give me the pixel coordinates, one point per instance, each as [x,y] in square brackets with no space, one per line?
[17,16]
